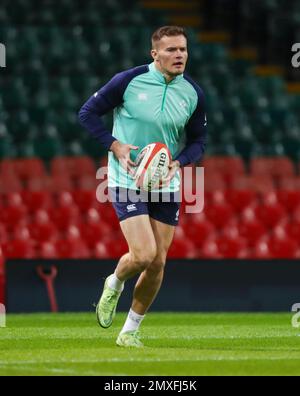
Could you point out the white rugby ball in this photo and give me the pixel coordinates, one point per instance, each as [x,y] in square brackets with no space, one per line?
[152,165]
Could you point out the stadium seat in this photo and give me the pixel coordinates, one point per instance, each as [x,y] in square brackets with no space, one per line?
[108,214]
[231,245]
[182,249]
[219,214]
[271,212]
[35,200]
[3,234]
[42,229]
[289,182]
[241,199]
[210,250]
[19,249]
[292,229]
[283,167]
[10,184]
[259,183]
[116,247]
[198,229]
[261,166]
[251,228]
[46,251]
[282,245]
[214,181]
[100,251]
[262,250]
[93,232]
[28,168]
[66,213]
[72,246]
[85,199]
[14,212]
[60,183]
[289,199]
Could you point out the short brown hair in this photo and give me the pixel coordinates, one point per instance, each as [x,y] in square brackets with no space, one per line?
[168,31]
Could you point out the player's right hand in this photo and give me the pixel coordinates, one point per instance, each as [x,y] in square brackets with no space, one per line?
[122,153]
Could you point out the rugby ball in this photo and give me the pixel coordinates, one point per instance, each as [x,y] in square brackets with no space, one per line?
[152,165]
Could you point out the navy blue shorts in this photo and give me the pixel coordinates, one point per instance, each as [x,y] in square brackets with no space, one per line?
[164,207]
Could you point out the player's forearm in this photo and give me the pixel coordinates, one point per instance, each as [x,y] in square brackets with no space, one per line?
[95,126]
[192,153]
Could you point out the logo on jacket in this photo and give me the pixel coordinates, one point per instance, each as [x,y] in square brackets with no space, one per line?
[143,97]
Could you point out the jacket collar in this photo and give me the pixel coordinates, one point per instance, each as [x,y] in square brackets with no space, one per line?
[160,77]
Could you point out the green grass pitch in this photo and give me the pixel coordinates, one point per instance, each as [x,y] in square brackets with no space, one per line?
[176,344]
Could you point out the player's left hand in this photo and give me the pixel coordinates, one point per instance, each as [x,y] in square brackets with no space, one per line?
[173,168]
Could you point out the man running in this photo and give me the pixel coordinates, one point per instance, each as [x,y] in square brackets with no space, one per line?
[151,103]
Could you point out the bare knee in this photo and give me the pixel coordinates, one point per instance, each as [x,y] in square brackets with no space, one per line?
[144,257]
[158,264]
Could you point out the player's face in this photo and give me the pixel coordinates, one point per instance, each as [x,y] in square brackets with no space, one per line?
[170,55]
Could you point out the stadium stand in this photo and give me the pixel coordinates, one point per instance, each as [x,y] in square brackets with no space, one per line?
[58,56]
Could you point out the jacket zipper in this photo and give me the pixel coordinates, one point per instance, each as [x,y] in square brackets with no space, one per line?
[164,98]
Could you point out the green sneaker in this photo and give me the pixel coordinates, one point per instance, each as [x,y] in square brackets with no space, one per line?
[106,308]
[130,339]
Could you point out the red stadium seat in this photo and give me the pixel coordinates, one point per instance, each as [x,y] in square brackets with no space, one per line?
[108,214]
[19,249]
[73,166]
[8,167]
[85,200]
[3,234]
[232,247]
[60,165]
[100,251]
[210,249]
[224,164]
[47,250]
[63,217]
[282,245]
[21,233]
[271,212]
[289,183]
[83,166]
[199,229]
[261,166]
[72,246]
[60,183]
[241,199]
[30,167]
[14,211]
[289,199]
[251,228]
[42,229]
[283,167]
[116,247]
[258,183]
[213,181]
[182,248]
[10,184]
[262,250]
[94,233]
[87,183]
[292,229]
[219,214]
[36,200]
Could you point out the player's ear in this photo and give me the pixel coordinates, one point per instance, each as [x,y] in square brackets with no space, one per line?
[154,54]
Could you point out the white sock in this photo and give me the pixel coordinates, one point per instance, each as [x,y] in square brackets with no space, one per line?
[115,283]
[133,322]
